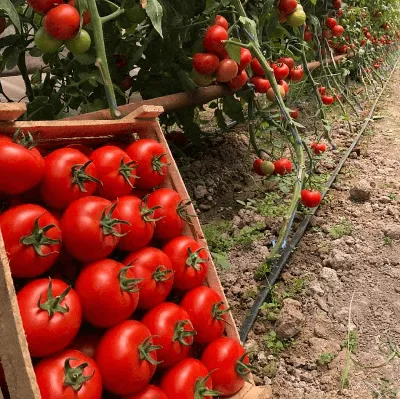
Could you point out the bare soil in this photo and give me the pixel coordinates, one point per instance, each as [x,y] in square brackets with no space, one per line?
[345,272]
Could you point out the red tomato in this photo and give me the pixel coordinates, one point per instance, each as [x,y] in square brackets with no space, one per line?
[227,70]
[257,166]
[322,90]
[115,170]
[221,21]
[257,68]
[172,330]
[91,231]
[295,113]
[281,71]
[152,162]
[207,311]
[154,270]
[308,36]
[213,38]
[150,392]
[338,30]
[141,220]
[108,291]
[327,33]
[62,22]
[287,7]
[187,380]
[86,14]
[32,238]
[283,166]
[42,6]
[327,100]
[229,362]
[245,58]
[337,4]
[205,63]
[171,213]
[318,148]
[69,374]
[310,198]
[87,342]
[271,94]
[16,159]
[261,85]
[126,83]
[189,260]
[330,23]
[288,61]
[51,314]
[297,73]
[285,86]
[69,175]
[82,148]
[127,357]
[239,81]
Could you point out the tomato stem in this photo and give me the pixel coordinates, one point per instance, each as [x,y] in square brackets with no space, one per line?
[180,334]
[201,390]
[108,223]
[73,376]
[217,312]
[79,176]
[194,259]
[125,169]
[145,350]
[243,369]
[158,165]
[162,274]
[130,285]
[145,211]
[53,304]
[182,211]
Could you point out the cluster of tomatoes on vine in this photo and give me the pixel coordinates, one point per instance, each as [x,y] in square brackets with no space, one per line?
[61,25]
[108,286]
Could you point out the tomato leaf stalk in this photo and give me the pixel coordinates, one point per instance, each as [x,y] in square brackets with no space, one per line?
[126,169]
[242,368]
[79,176]
[158,165]
[101,61]
[162,274]
[26,140]
[201,390]
[52,304]
[38,238]
[73,376]
[194,259]
[182,210]
[217,312]
[147,212]
[127,284]
[108,222]
[180,334]
[145,350]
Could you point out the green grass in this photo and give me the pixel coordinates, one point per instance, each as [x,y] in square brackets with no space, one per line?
[343,228]
[387,241]
[325,358]
[276,345]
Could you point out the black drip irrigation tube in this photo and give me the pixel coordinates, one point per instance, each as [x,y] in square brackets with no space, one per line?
[287,251]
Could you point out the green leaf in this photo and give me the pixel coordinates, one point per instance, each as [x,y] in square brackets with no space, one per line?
[233,50]
[155,12]
[9,8]
[250,26]
[233,108]
[221,260]
[10,56]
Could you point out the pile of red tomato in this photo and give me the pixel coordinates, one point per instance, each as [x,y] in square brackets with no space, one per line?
[61,24]
[109,289]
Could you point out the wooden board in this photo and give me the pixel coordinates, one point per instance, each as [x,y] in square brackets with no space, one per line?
[11,112]
[15,356]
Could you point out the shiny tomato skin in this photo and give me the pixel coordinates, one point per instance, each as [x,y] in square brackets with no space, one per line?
[311,198]
[221,356]
[295,113]
[308,36]
[86,14]
[327,100]
[297,73]
[162,321]
[338,30]
[154,268]
[180,380]
[245,58]
[17,226]
[50,375]
[213,38]
[322,90]
[146,152]
[21,169]
[150,392]
[257,166]
[62,22]
[283,166]
[42,6]
[330,23]
[281,71]
[188,275]
[140,231]
[287,6]
[46,334]
[115,170]
[58,189]
[171,222]
[318,148]
[207,311]
[84,238]
[257,68]
[205,63]
[288,61]
[104,302]
[118,357]
[221,21]
[261,85]
[227,70]
[239,81]
[285,86]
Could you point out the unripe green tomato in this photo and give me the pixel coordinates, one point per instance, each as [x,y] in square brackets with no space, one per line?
[80,43]
[201,80]
[136,14]
[267,168]
[296,19]
[44,42]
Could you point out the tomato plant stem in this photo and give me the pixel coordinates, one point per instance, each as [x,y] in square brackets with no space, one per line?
[101,61]
[25,76]
[113,15]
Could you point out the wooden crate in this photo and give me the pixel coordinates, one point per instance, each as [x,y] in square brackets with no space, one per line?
[14,352]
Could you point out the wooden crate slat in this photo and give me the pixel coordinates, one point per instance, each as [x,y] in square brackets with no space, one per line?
[11,111]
